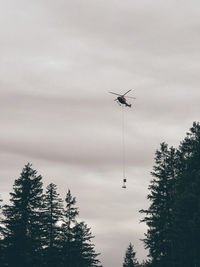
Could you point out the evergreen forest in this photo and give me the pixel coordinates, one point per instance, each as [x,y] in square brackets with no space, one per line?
[173,217]
[39,229]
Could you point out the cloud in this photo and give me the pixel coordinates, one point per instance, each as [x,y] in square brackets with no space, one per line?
[58,62]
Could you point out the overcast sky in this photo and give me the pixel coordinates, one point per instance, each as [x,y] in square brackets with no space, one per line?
[58,61]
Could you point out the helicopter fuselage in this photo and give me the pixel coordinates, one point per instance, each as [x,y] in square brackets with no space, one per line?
[122,100]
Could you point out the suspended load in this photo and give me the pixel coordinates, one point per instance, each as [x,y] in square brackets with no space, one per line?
[124,183]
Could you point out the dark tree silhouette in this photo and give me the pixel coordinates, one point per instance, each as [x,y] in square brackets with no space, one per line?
[187,207]
[70,219]
[2,243]
[1,220]
[53,213]
[77,247]
[83,248]
[159,215]
[130,257]
[37,232]
[22,221]
[173,218]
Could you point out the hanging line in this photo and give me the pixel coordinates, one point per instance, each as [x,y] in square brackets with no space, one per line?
[123,145]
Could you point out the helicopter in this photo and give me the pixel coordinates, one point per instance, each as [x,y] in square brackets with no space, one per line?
[121,98]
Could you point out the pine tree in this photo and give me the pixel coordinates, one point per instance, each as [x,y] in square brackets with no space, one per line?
[159,215]
[78,250]
[70,214]
[187,207]
[1,219]
[2,243]
[130,257]
[23,220]
[84,252]
[53,212]
[173,217]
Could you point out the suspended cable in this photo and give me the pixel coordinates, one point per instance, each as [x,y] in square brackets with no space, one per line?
[123,150]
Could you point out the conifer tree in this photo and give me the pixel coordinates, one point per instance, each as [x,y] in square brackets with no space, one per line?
[2,243]
[187,207]
[1,219]
[84,252]
[53,212]
[173,217]
[130,257]
[23,220]
[159,215]
[70,219]
[78,249]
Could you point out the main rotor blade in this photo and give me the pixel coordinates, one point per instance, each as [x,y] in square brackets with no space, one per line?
[127,92]
[114,93]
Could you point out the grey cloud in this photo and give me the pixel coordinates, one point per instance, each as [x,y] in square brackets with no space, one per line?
[58,61]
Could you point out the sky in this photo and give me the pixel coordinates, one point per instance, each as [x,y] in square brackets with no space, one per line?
[59,60]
